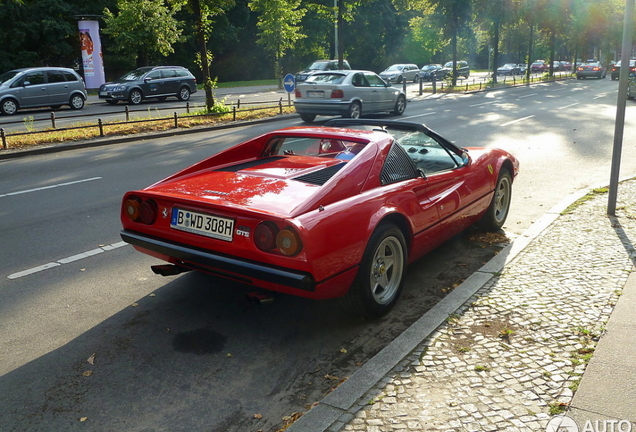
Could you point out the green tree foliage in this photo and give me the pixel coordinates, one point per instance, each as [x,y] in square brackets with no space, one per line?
[143,29]
[278,28]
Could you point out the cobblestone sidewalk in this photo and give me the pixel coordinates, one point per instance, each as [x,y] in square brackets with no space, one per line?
[513,356]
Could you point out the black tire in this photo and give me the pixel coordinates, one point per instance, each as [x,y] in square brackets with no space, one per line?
[135,97]
[400,106]
[416,79]
[381,275]
[399,79]
[308,118]
[184,94]
[355,110]
[497,211]
[9,106]
[111,102]
[76,102]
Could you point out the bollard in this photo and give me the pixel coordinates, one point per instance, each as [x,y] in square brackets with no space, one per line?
[233,113]
[187,107]
[176,120]
[404,86]
[53,119]
[4,139]
[127,113]
[238,104]
[280,106]
[434,85]
[101,127]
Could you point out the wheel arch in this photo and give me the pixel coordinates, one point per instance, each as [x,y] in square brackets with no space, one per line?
[401,222]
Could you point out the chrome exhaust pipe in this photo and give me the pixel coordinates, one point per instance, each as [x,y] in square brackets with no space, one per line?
[168,269]
[259,298]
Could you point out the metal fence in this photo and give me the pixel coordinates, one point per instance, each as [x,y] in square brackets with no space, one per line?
[101,125]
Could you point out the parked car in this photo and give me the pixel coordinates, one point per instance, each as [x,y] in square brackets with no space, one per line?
[159,82]
[631,86]
[616,69]
[401,72]
[320,66]
[592,69]
[566,66]
[523,67]
[462,69]
[321,212]
[509,69]
[349,93]
[432,71]
[539,66]
[556,66]
[39,87]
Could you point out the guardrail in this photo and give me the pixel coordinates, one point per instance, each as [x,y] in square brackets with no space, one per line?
[101,125]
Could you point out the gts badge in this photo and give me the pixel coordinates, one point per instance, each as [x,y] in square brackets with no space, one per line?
[243,231]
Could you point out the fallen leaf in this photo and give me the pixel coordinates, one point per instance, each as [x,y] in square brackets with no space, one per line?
[82,269]
[91,359]
[153,295]
[87,373]
[229,354]
[343,350]
[331,377]
[135,304]
[258,416]
[83,419]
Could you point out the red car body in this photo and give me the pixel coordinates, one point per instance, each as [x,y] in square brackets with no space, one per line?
[324,204]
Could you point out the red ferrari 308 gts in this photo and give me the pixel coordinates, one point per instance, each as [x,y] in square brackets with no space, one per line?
[321,212]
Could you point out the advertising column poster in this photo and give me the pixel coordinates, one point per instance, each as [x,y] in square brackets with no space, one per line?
[92,61]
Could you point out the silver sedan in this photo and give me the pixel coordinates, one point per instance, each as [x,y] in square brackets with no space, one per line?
[349,93]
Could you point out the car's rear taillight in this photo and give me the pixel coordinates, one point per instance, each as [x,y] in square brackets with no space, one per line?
[297,93]
[288,242]
[269,238]
[337,94]
[142,211]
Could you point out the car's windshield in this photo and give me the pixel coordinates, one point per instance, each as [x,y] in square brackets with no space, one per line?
[313,146]
[394,68]
[430,67]
[509,65]
[133,75]
[326,78]
[7,76]
[318,66]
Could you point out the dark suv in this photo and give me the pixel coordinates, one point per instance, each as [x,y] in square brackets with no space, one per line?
[150,82]
[320,66]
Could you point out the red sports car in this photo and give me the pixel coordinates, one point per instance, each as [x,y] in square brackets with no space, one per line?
[321,212]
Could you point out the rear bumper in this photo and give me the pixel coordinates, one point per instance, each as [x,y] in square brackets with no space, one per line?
[322,108]
[221,265]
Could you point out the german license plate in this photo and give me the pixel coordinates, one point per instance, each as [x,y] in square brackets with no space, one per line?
[103,93]
[203,224]
[315,94]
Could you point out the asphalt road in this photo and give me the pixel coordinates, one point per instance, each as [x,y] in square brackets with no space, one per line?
[92,340]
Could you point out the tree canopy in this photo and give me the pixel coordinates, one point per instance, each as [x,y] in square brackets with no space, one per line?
[292,33]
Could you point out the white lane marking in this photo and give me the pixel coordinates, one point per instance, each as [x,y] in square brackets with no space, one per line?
[49,187]
[67,260]
[600,96]
[571,105]
[528,95]
[420,115]
[516,121]
[480,104]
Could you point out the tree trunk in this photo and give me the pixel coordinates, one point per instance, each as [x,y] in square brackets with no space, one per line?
[203,49]
[495,57]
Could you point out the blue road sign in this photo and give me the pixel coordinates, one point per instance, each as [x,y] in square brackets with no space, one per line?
[289,82]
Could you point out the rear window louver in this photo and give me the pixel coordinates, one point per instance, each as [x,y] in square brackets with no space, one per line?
[398,166]
[250,164]
[320,177]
